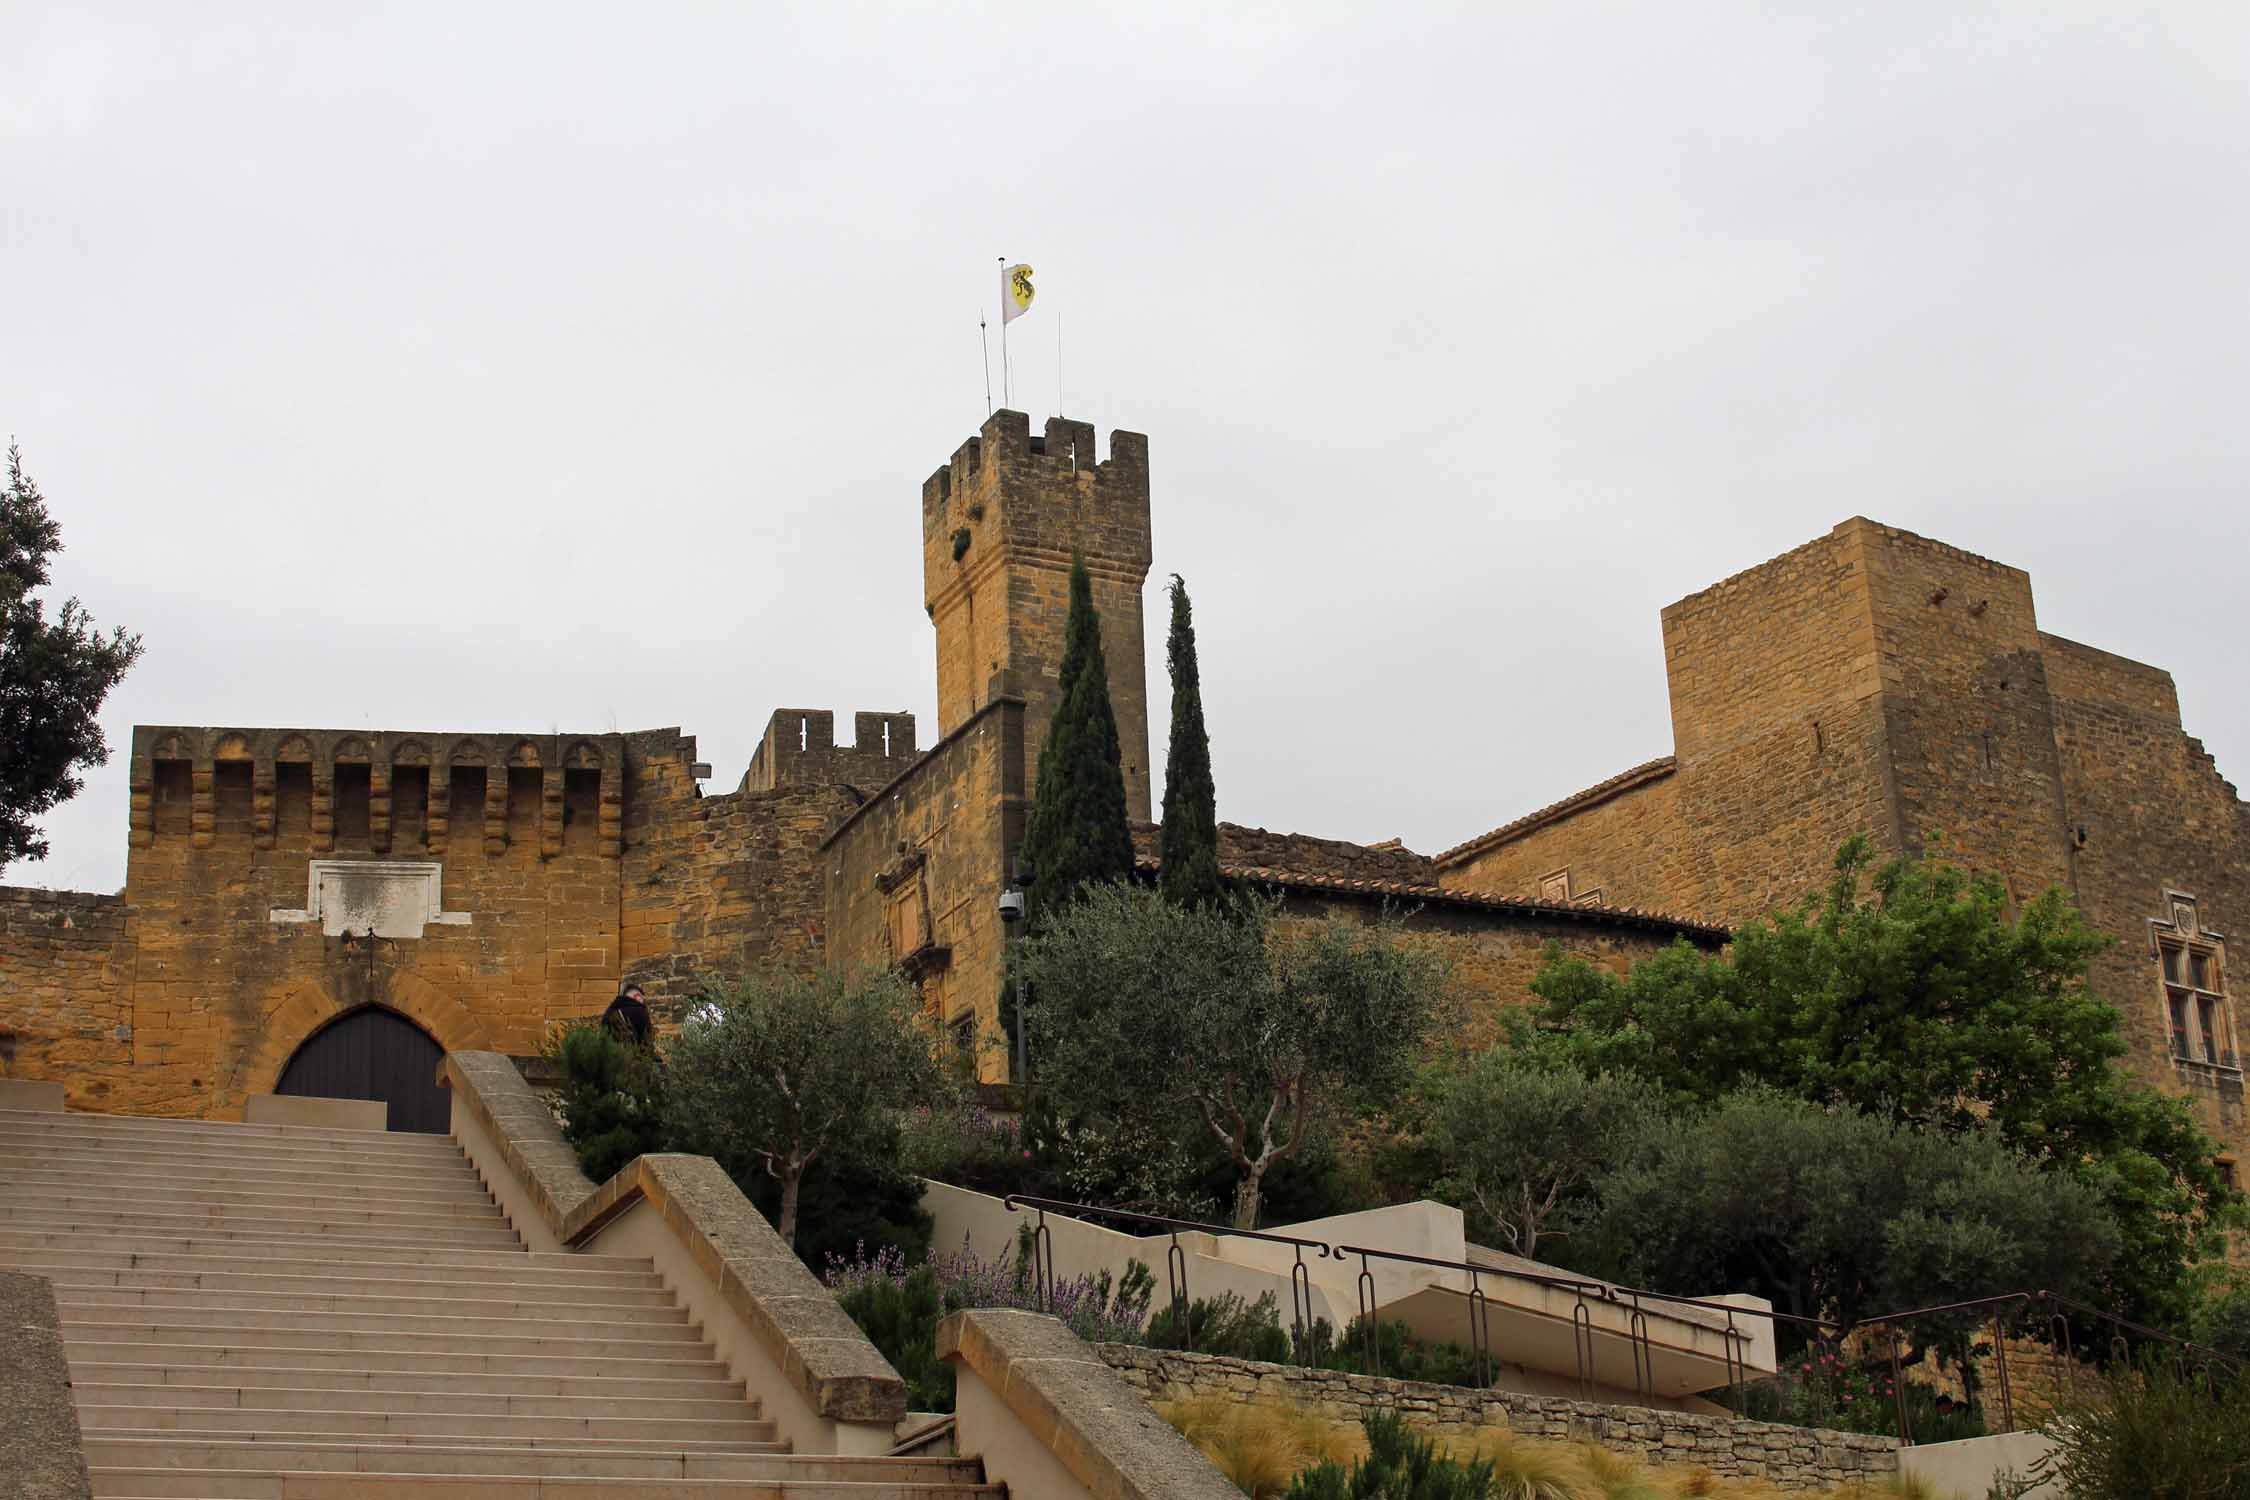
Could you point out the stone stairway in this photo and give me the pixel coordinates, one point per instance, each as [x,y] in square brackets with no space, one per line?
[261,1312]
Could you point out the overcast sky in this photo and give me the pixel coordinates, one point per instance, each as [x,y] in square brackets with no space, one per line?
[570,367]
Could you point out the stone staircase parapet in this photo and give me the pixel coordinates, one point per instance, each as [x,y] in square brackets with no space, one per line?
[1040,1408]
[42,1452]
[794,1319]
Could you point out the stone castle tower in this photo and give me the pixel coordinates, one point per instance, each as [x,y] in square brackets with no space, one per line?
[999,525]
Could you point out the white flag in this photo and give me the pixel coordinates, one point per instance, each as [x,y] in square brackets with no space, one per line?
[1015,293]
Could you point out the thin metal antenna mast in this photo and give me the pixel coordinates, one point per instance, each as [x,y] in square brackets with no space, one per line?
[984,341]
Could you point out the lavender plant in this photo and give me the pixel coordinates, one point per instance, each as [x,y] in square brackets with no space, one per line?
[899,1306]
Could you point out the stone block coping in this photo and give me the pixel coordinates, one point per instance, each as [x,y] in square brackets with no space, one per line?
[27,1094]
[327,1114]
[42,1453]
[1098,1427]
[796,1320]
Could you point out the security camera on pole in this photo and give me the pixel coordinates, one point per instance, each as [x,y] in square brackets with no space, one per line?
[1012,903]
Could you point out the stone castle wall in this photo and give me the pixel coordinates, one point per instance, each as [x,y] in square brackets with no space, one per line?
[2147,813]
[62,1003]
[1869,681]
[1878,682]
[715,885]
[1800,1458]
[914,876]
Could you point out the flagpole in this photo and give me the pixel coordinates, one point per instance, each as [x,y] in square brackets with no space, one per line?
[1004,393]
[1060,409]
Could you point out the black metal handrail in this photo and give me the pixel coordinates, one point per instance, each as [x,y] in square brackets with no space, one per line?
[1588,1292]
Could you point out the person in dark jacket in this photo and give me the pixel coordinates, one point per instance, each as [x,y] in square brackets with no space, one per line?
[627,1016]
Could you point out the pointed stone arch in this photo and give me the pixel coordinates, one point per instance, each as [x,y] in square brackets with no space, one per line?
[305,1008]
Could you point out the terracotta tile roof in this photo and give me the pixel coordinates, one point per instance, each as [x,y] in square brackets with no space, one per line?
[1600,791]
[1430,895]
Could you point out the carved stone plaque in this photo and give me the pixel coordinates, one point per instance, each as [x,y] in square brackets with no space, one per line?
[392,898]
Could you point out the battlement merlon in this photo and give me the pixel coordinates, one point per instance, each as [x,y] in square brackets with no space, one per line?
[799,749]
[1030,489]
[196,743]
[210,769]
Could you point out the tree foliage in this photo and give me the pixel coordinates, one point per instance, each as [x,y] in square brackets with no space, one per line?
[53,674]
[787,1070]
[1167,1018]
[1836,1213]
[1077,835]
[1189,840]
[1908,991]
[612,1097]
[1525,1146]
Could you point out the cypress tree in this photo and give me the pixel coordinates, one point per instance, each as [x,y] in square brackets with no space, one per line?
[1077,834]
[1189,842]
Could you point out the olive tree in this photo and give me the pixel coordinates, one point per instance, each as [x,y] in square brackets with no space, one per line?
[1172,1019]
[1522,1145]
[778,1070]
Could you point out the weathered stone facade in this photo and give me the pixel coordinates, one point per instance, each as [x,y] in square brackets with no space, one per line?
[58,955]
[1790,1457]
[487,886]
[1874,681]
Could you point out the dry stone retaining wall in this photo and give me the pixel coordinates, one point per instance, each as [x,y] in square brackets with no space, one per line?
[1792,1457]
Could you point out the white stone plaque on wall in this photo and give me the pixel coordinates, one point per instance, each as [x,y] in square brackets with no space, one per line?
[393,898]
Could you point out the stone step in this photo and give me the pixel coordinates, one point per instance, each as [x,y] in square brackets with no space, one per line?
[412,1442]
[31,1146]
[136,1172]
[436,1358]
[541,1322]
[360,1374]
[222,1484]
[442,1156]
[390,1399]
[744,1428]
[409,1442]
[185,1452]
[373,1297]
[106,1239]
[466,1234]
[151,1127]
[540,1341]
[46,1261]
[340,1206]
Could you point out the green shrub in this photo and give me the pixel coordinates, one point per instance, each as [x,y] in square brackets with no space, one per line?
[900,1317]
[612,1097]
[1402,1355]
[1224,1324]
[2164,1431]
[1821,1388]
[1400,1465]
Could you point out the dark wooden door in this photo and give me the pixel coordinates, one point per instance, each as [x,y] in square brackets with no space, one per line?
[374,1054]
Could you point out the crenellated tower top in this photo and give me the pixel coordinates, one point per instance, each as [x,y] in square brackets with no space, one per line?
[1000,523]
